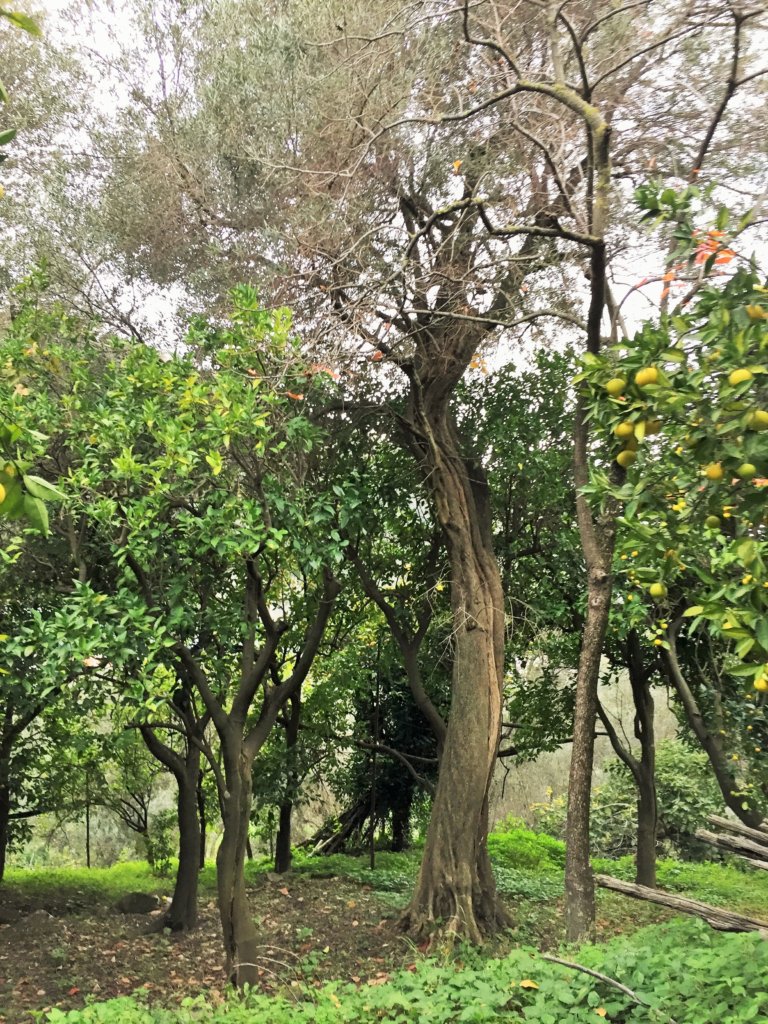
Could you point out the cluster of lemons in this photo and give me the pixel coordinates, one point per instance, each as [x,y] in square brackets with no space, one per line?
[627,431]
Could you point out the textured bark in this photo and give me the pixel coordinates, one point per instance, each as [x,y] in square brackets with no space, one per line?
[579,881]
[455,893]
[757,835]
[647,829]
[723,920]
[734,844]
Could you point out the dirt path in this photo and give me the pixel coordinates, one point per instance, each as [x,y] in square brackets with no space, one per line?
[60,950]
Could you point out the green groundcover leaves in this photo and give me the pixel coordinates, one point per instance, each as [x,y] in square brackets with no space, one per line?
[682,971]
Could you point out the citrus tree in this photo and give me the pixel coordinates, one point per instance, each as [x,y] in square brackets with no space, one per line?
[683,408]
[204,532]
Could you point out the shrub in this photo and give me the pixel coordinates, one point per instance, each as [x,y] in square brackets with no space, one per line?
[686,794]
[518,847]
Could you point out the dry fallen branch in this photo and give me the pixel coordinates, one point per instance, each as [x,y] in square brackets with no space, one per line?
[722,920]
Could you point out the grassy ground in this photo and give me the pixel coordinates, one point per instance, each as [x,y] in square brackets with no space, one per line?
[331,918]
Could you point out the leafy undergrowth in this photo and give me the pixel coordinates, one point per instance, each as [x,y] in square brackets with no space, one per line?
[333,922]
[682,971]
[82,886]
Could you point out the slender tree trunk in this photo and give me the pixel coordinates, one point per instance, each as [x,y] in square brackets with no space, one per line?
[87,821]
[455,892]
[401,816]
[240,938]
[579,881]
[182,913]
[644,769]
[202,818]
[647,827]
[5,823]
[283,853]
[733,794]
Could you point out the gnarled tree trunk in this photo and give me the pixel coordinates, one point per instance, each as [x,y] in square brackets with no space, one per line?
[455,892]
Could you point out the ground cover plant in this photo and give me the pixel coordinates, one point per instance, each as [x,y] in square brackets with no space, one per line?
[329,932]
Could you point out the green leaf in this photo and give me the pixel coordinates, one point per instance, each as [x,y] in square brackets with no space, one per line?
[3,93]
[695,609]
[22,21]
[7,135]
[40,488]
[36,513]
[743,647]
[13,503]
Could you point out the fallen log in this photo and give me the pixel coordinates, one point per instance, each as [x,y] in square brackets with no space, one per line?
[733,844]
[722,920]
[757,835]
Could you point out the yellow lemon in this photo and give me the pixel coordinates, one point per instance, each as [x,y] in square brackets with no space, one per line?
[758,420]
[625,429]
[739,376]
[615,386]
[657,591]
[712,522]
[625,458]
[714,471]
[648,375]
[761,684]
[746,471]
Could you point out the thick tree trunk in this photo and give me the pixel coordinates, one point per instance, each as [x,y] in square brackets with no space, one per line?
[455,892]
[240,938]
[182,913]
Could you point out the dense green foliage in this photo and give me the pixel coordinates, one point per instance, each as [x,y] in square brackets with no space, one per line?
[686,794]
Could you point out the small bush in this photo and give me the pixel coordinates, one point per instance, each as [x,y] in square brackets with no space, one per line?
[686,792]
[520,848]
